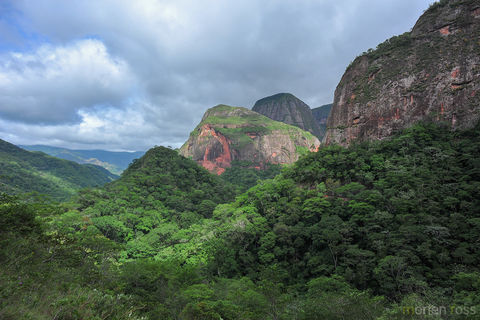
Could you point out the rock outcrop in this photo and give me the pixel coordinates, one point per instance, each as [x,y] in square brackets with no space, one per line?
[229,133]
[321,115]
[287,108]
[430,73]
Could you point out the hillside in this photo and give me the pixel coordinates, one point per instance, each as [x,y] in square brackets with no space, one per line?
[255,219]
[157,196]
[429,73]
[287,108]
[25,171]
[366,232]
[115,162]
[228,134]
[399,218]
[321,115]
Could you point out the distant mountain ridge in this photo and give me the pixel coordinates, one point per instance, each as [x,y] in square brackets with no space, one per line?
[113,161]
[287,108]
[321,115]
[228,134]
[25,171]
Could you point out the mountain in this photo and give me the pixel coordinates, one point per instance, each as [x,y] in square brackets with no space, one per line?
[399,218]
[321,115]
[430,73]
[114,162]
[155,210]
[287,108]
[373,231]
[226,134]
[157,196]
[25,171]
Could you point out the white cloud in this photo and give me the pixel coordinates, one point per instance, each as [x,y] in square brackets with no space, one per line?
[52,83]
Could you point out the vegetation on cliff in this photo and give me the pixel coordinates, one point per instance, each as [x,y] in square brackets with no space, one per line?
[223,116]
[244,175]
[228,134]
[367,232]
[429,73]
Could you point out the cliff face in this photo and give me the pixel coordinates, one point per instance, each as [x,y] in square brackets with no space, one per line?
[320,114]
[430,73]
[287,108]
[232,133]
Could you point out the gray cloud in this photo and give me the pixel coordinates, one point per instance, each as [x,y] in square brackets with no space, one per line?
[159,65]
[52,84]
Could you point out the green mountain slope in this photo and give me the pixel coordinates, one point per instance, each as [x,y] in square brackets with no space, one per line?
[25,171]
[366,232]
[114,162]
[399,217]
[157,197]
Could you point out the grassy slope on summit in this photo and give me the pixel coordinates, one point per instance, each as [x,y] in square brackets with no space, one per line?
[246,121]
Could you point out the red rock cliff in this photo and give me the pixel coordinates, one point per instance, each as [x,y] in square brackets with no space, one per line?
[231,133]
[431,73]
[216,156]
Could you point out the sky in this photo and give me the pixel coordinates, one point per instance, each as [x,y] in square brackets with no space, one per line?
[126,75]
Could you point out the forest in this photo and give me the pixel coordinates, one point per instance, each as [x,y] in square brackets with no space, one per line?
[22,171]
[379,230]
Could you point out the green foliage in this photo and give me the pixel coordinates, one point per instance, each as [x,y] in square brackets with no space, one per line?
[16,216]
[360,233]
[115,162]
[23,171]
[401,41]
[437,4]
[397,216]
[53,275]
[333,298]
[157,207]
[244,174]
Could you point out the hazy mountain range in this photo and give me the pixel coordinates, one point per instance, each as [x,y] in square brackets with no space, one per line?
[113,161]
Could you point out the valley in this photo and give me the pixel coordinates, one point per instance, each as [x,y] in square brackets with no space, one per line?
[364,209]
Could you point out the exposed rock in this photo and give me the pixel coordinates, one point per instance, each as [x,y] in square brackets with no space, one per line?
[430,73]
[287,108]
[232,133]
[321,115]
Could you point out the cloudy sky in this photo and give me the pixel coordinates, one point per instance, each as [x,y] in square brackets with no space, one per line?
[128,75]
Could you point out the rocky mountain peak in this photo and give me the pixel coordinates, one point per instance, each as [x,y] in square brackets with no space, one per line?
[229,133]
[287,108]
[321,115]
[431,73]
